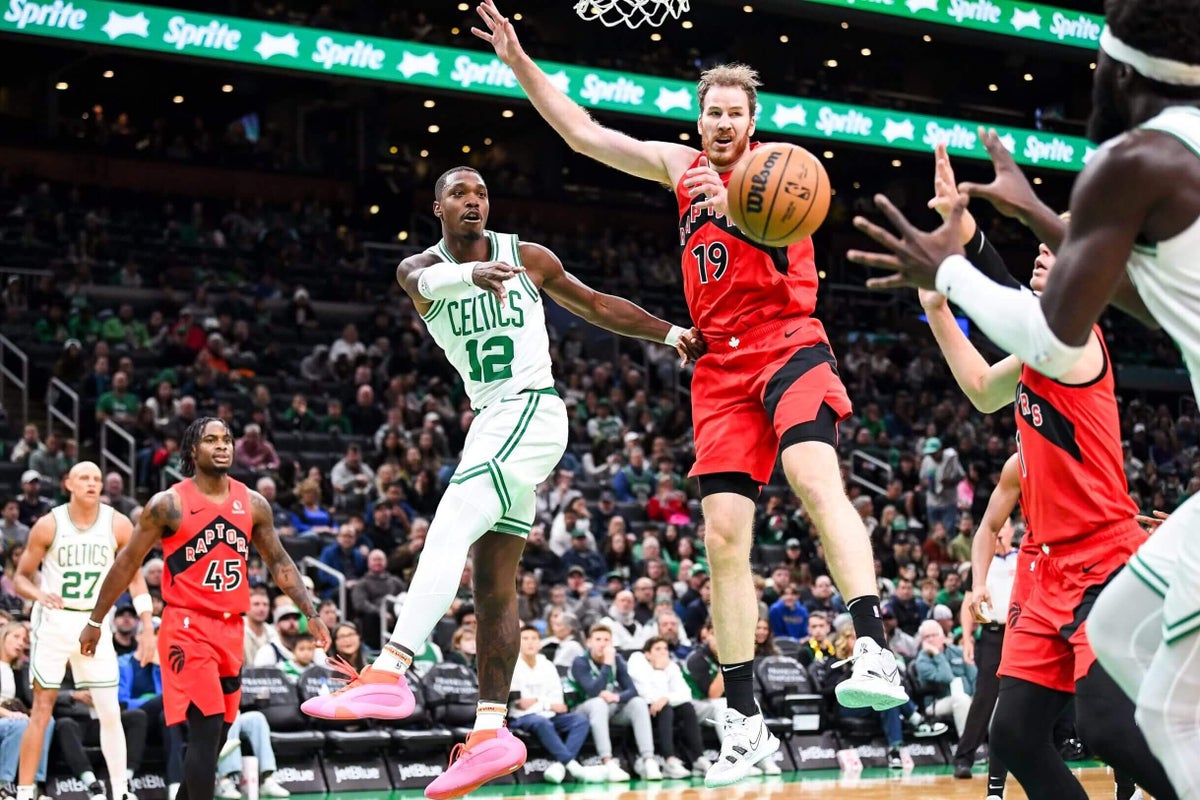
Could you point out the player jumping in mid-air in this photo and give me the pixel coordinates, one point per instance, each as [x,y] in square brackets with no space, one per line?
[768,386]
[1135,215]
[205,524]
[478,292]
[74,546]
[1082,530]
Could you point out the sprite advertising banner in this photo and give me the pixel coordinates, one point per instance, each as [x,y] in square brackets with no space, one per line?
[1031,21]
[189,33]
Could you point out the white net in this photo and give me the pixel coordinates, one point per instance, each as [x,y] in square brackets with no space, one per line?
[631,12]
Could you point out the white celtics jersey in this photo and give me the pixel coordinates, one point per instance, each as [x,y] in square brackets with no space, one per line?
[78,561]
[498,350]
[1167,273]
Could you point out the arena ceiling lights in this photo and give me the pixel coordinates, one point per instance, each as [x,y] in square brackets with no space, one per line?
[287,47]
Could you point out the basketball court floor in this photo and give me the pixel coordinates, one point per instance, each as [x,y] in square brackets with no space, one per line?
[923,783]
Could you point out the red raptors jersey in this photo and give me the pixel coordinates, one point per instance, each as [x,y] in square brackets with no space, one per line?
[1072,472]
[205,559]
[733,284]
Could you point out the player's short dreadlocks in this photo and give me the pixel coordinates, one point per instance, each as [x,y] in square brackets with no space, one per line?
[191,438]
[1162,28]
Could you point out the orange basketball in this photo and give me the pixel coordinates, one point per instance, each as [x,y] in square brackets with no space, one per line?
[778,194]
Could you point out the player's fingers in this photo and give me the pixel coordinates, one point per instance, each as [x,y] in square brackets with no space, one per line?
[487,37]
[896,281]
[881,235]
[1161,514]
[981,190]
[894,216]
[884,261]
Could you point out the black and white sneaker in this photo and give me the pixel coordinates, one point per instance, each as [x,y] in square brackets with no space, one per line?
[747,742]
[875,679]
[894,760]
[96,791]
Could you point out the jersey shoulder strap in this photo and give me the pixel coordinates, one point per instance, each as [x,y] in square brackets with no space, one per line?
[1181,122]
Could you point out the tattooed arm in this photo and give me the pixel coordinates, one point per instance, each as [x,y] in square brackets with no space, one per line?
[160,516]
[283,569]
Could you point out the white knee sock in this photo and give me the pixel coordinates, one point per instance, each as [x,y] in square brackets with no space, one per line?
[112,738]
[465,514]
[1125,630]
[1168,711]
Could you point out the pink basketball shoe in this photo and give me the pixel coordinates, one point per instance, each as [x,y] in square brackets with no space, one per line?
[485,755]
[373,694]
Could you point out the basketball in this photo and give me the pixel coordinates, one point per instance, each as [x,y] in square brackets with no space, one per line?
[779,194]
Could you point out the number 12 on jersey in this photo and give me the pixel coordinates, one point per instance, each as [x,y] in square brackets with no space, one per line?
[497,359]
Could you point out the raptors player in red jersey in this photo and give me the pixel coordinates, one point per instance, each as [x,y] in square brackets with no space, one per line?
[205,524]
[1082,531]
[768,386]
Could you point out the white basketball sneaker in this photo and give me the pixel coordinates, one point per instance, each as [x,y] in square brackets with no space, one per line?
[747,742]
[875,679]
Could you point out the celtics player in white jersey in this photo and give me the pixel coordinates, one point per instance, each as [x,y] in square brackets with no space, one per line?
[1133,239]
[479,294]
[74,546]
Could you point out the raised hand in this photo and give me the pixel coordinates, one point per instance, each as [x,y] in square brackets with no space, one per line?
[491,275]
[1010,191]
[499,34]
[946,194]
[703,179]
[915,255]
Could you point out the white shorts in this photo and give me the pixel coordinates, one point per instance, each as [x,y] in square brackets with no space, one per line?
[1172,570]
[514,445]
[54,643]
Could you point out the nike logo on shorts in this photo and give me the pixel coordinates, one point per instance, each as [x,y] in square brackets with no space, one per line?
[1090,567]
[791,333]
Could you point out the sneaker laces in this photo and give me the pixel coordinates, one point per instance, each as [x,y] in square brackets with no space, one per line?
[456,752]
[339,664]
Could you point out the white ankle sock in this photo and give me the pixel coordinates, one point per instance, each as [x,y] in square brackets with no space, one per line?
[392,659]
[489,715]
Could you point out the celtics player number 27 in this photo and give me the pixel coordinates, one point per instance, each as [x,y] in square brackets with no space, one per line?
[496,364]
[79,585]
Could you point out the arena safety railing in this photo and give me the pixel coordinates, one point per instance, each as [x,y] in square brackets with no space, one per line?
[125,463]
[168,476]
[56,391]
[881,467]
[20,380]
[340,577]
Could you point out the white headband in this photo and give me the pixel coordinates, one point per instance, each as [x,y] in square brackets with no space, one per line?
[1165,70]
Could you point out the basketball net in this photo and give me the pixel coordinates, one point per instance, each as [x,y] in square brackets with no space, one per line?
[631,12]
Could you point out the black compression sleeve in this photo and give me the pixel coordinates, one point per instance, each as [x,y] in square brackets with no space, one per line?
[985,258]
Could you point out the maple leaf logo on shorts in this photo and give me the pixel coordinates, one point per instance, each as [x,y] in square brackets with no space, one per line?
[177,658]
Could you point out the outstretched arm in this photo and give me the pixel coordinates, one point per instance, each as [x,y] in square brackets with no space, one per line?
[989,387]
[161,514]
[608,311]
[656,161]
[283,569]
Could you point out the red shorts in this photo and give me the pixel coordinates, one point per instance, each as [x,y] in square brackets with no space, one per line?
[1054,591]
[201,661]
[748,392]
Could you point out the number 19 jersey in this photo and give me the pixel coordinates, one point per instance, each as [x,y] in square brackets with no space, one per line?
[500,351]
[204,560]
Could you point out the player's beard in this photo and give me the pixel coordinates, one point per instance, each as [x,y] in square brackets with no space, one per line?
[730,156]
[1106,120]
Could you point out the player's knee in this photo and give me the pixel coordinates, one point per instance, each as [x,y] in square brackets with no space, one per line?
[728,526]
[1006,736]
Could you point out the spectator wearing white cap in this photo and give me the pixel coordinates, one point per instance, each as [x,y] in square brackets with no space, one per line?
[32,504]
[944,617]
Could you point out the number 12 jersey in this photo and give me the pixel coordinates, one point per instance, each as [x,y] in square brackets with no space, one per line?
[499,350]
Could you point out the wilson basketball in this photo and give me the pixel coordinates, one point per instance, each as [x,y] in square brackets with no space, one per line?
[778,194]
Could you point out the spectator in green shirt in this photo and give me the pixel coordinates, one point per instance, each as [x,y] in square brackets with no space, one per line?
[299,417]
[120,405]
[960,545]
[51,327]
[334,422]
[951,594]
[123,330]
[84,326]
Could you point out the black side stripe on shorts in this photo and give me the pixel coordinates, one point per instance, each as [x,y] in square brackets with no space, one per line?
[231,685]
[1084,609]
[803,360]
